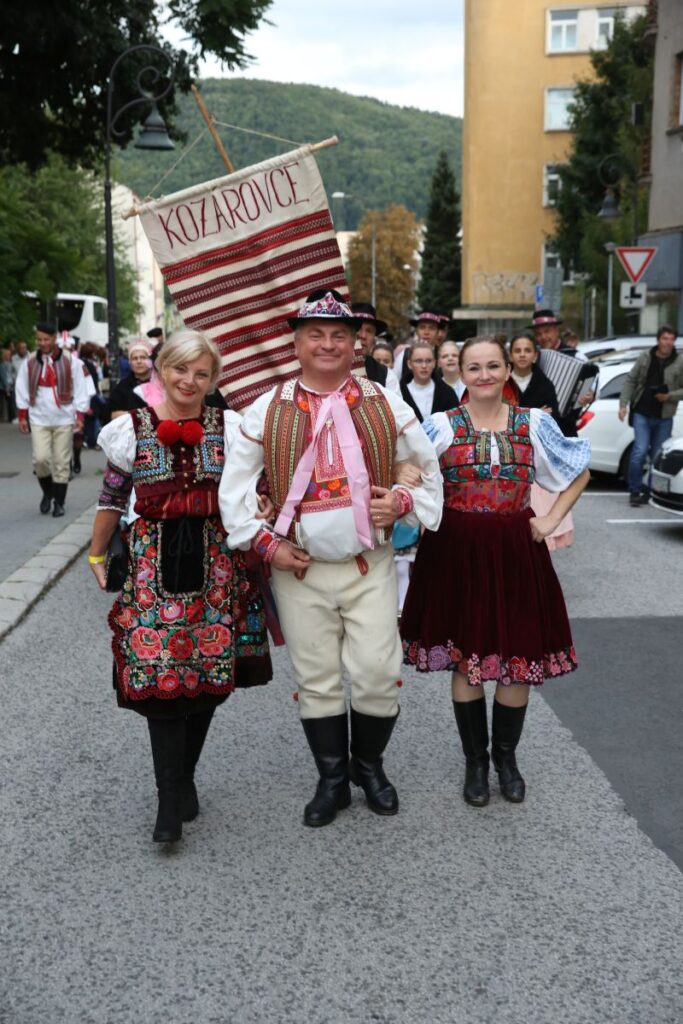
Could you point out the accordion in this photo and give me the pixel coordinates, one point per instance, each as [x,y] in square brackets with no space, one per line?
[570,377]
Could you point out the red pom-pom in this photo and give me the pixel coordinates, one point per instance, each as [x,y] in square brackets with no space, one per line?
[168,432]
[295,696]
[399,683]
[192,432]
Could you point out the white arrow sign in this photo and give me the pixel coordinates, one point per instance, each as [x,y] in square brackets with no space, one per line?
[635,259]
[632,296]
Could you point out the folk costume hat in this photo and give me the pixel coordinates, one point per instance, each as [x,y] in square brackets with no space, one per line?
[325,305]
[545,318]
[426,316]
[142,345]
[368,314]
[155,332]
[46,327]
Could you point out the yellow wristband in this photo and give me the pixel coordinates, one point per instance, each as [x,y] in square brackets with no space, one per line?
[96,559]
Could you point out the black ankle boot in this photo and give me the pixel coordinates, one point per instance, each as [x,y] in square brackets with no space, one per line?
[369,737]
[474,736]
[46,487]
[59,496]
[197,727]
[507,725]
[167,736]
[328,739]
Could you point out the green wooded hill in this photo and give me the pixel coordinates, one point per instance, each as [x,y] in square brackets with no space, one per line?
[386,154]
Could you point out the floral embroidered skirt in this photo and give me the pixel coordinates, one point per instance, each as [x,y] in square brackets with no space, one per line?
[484,599]
[189,623]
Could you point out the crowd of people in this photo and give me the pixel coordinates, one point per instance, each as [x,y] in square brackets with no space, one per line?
[284,517]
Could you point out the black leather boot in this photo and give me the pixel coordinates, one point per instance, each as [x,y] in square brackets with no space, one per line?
[76,457]
[167,736]
[328,739]
[507,725]
[46,487]
[59,497]
[369,737]
[474,736]
[197,727]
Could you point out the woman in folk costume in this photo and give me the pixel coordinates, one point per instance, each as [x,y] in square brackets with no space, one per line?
[499,613]
[328,444]
[187,626]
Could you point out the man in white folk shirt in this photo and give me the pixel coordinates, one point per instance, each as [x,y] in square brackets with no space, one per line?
[52,399]
[329,443]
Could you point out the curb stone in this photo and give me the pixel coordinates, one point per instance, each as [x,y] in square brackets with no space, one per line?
[27,584]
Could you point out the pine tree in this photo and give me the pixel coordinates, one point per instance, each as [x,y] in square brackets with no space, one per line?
[440,277]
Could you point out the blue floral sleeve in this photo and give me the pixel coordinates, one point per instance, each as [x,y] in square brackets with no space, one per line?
[558,459]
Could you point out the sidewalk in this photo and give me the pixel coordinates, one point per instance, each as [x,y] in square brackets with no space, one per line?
[37,549]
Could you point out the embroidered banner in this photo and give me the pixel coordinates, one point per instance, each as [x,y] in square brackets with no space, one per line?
[239,255]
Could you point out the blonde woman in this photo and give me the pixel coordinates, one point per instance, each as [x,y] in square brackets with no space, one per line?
[186,611]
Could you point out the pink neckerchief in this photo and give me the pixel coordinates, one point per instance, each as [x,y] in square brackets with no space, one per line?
[335,408]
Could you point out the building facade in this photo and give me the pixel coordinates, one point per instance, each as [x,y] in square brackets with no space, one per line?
[664,276]
[522,61]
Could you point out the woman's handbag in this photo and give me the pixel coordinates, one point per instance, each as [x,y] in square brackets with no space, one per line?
[116,564]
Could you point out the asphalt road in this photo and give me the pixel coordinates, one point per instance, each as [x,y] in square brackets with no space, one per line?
[564,909]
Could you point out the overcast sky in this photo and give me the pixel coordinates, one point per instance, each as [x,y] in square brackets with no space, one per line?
[400,51]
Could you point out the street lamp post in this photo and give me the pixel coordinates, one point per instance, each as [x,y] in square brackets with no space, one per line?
[609,249]
[153,137]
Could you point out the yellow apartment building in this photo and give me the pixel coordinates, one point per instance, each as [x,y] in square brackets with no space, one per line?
[522,58]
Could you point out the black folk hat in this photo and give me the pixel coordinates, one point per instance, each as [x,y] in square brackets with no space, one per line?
[325,304]
[545,318]
[366,312]
[427,316]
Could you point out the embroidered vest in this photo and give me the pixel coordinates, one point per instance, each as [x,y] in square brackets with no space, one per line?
[63,388]
[288,431]
[162,469]
[471,483]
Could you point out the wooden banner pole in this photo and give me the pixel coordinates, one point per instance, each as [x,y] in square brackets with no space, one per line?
[212,128]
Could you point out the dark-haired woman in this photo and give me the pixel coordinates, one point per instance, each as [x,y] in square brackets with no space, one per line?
[498,613]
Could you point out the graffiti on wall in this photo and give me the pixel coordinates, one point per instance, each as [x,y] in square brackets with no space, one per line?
[503,287]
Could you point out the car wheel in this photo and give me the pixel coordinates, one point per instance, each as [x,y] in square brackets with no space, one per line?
[623,464]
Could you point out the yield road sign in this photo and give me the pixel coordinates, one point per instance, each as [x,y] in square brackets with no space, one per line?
[632,296]
[635,259]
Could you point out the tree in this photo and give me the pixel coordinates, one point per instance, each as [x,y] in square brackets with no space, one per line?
[607,149]
[52,240]
[54,61]
[396,240]
[440,275]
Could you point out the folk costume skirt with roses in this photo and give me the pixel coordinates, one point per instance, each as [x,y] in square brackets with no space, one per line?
[484,600]
[189,624]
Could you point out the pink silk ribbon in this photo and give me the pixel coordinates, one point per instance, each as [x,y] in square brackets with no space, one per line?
[335,407]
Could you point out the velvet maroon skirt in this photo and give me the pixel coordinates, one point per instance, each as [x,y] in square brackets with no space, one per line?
[484,600]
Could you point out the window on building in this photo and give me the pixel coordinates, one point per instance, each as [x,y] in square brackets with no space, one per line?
[557,102]
[562,30]
[551,257]
[551,185]
[606,16]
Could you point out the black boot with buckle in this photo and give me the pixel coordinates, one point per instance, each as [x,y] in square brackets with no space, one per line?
[328,739]
[167,736]
[369,738]
[507,725]
[46,500]
[474,735]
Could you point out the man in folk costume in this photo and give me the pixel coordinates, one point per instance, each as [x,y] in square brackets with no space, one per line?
[427,325]
[370,327]
[52,399]
[328,443]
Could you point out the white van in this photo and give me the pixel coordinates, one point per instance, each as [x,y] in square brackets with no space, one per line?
[82,315]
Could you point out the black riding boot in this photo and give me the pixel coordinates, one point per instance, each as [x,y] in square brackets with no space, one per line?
[369,737]
[474,736]
[46,487]
[76,456]
[197,727]
[507,725]
[59,496]
[328,739]
[167,736]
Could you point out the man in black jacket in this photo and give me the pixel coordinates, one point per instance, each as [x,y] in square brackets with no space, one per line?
[370,327]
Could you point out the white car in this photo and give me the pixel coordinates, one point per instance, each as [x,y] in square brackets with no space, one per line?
[611,439]
[667,477]
[597,348]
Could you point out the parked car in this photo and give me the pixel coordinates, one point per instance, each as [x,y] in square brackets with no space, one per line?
[611,439]
[667,477]
[599,347]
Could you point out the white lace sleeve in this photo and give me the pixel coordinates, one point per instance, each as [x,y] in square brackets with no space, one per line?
[117,441]
[558,459]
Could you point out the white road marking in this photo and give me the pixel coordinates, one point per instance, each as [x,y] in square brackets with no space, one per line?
[604,494]
[669,522]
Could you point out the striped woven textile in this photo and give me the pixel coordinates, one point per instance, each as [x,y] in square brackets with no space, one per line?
[239,255]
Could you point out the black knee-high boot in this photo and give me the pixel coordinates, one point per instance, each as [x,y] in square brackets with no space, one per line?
[507,725]
[474,735]
[59,495]
[369,737]
[167,736]
[197,727]
[328,739]
[46,487]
